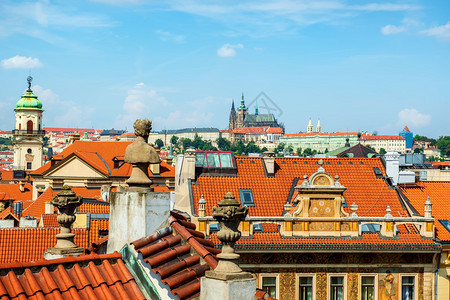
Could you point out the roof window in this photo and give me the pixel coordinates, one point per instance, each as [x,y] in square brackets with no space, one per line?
[214,227]
[377,172]
[294,162]
[370,228]
[446,224]
[214,159]
[246,197]
[258,227]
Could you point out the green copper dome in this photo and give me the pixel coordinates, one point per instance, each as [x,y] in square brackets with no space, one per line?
[29,100]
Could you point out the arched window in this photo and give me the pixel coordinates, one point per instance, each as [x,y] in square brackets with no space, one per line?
[30,126]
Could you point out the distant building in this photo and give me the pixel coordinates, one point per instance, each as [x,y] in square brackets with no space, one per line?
[108,134]
[408,136]
[319,141]
[28,136]
[387,142]
[207,134]
[241,118]
[259,135]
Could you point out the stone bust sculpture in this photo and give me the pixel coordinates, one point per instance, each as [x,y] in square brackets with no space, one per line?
[140,154]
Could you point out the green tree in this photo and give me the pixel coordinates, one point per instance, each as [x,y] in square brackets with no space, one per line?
[443,144]
[174,140]
[264,149]
[280,148]
[418,150]
[186,143]
[382,151]
[223,144]
[289,149]
[251,147]
[159,143]
[308,152]
[299,151]
[239,148]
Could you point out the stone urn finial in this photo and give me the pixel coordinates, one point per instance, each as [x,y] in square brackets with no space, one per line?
[229,214]
[66,201]
[140,155]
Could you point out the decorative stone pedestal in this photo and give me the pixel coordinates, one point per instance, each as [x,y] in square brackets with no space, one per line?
[135,213]
[66,201]
[243,289]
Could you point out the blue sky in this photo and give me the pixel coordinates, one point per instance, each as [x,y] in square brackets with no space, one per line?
[356,65]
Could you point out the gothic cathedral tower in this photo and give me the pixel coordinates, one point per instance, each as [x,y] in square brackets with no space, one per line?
[232,122]
[241,113]
[28,136]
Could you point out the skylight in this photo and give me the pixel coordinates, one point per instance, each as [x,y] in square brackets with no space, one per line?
[258,227]
[446,224]
[372,228]
[214,227]
[246,197]
[214,159]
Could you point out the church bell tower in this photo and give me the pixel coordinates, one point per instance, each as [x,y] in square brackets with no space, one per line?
[28,136]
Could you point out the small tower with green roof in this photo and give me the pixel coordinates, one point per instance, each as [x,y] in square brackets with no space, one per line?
[241,113]
[28,136]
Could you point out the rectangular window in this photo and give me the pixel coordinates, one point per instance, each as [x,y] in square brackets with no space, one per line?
[225,160]
[200,159]
[337,288]
[367,287]
[269,285]
[408,287]
[305,288]
[28,166]
[213,160]
[246,196]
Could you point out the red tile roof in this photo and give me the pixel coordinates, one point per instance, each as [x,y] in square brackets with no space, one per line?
[178,263]
[49,220]
[37,208]
[381,137]
[95,227]
[84,277]
[100,156]
[368,241]
[6,175]
[439,193]
[30,243]
[8,212]
[371,194]
[304,134]
[12,192]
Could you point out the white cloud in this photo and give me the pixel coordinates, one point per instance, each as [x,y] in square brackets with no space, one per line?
[442,31]
[392,29]
[21,62]
[411,116]
[170,37]
[228,50]
[140,102]
[62,113]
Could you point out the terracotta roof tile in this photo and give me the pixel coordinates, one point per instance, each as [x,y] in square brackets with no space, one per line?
[371,194]
[303,134]
[84,277]
[178,264]
[381,137]
[12,192]
[439,193]
[30,243]
[100,155]
[49,220]
[95,227]
[368,241]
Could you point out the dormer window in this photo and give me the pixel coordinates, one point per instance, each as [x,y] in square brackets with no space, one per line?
[446,224]
[246,197]
[118,161]
[214,159]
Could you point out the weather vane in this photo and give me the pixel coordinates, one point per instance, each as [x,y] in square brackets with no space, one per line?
[29,79]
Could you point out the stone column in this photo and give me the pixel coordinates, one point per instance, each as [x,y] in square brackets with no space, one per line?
[227,280]
[66,201]
[136,211]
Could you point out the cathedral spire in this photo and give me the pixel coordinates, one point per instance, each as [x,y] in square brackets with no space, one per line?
[242,106]
[256,108]
[232,104]
[319,127]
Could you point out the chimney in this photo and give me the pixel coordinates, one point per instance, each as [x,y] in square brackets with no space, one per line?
[22,186]
[201,206]
[189,163]
[269,163]
[155,168]
[392,165]
[18,208]
[428,210]
[49,208]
